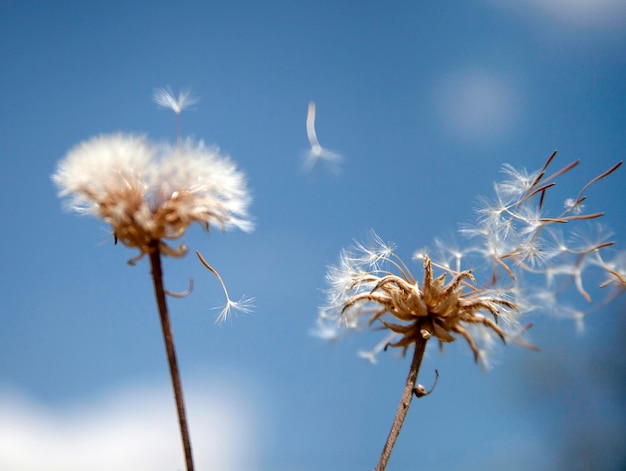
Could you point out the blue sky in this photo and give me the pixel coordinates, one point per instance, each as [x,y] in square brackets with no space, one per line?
[425,101]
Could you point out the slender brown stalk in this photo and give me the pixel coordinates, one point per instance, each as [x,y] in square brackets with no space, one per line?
[157,276]
[405,402]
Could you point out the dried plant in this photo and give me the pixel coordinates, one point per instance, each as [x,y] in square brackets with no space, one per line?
[516,242]
[150,194]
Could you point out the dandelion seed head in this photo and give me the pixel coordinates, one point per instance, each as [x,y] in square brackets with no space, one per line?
[420,254]
[373,252]
[614,271]
[151,193]
[244,305]
[574,206]
[586,238]
[368,355]
[166,98]
[194,183]
[316,152]
[518,183]
[105,174]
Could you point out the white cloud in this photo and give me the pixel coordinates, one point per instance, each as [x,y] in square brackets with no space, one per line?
[476,104]
[134,429]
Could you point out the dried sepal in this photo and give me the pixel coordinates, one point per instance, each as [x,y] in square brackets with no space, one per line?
[420,391]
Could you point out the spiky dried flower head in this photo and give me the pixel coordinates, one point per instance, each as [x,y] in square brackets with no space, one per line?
[374,285]
[515,242]
[151,193]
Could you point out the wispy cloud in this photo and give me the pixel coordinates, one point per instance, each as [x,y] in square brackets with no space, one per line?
[128,429]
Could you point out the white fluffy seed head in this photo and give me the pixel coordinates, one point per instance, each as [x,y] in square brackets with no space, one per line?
[102,167]
[150,192]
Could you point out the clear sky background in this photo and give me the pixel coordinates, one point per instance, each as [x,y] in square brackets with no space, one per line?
[426,100]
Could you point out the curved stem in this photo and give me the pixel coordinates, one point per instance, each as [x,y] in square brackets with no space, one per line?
[405,402]
[157,277]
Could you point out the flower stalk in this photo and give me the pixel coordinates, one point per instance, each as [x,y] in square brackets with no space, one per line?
[150,193]
[405,402]
[168,337]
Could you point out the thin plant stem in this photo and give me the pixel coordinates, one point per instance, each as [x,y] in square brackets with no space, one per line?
[405,402]
[157,276]
[179,138]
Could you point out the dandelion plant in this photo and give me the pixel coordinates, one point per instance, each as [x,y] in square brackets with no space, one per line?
[479,293]
[150,193]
